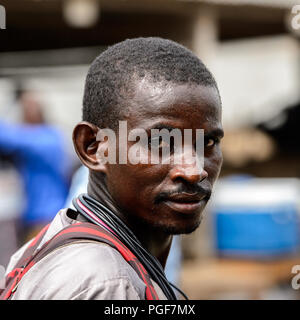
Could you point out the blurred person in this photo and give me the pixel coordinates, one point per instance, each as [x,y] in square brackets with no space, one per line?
[120,233]
[38,152]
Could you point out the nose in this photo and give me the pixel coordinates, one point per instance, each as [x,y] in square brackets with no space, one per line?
[190,172]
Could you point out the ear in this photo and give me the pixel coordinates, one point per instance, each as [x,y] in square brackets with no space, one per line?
[86,145]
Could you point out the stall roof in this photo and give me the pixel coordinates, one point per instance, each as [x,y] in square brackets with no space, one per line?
[284,4]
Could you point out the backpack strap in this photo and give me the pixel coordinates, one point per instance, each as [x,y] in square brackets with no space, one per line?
[68,235]
[13,278]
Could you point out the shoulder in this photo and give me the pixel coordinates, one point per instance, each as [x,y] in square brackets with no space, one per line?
[93,258]
[82,270]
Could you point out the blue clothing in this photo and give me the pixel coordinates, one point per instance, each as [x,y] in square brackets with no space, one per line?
[43,164]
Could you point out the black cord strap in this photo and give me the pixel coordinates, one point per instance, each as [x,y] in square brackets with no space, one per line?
[99,214]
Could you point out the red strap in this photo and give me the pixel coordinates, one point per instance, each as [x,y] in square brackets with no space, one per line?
[14,277]
[77,231]
[105,236]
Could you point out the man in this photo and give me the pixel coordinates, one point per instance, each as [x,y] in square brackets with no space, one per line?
[148,83]
[38,153]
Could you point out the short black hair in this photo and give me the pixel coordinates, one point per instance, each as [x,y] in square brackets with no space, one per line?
[108,82]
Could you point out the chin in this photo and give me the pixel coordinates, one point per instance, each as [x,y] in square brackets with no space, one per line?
[178,228]
[177,224]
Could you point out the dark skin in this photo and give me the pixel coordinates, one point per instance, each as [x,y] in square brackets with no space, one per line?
[159,200]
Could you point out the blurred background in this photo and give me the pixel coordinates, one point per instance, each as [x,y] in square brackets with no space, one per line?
[249,241]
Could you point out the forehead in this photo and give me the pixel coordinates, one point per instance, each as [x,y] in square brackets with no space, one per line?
[180,105]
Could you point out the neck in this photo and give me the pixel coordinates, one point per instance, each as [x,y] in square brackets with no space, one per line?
[156,242]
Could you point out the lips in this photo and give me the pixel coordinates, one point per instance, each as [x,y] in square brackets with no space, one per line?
[186,203]
[186,197]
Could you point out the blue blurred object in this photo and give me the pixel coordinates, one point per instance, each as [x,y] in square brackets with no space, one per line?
[257,218]
[39,154]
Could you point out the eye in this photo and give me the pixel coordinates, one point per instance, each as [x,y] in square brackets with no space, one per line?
[158,141]
[210,142]
[161,143]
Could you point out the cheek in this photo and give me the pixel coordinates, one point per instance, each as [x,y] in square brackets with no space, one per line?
[213,164]
[134,183]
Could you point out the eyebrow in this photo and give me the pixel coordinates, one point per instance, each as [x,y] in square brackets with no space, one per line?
[218,132]
[161,126]
[215,132]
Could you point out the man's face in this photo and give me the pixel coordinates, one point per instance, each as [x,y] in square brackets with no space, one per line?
[169,197]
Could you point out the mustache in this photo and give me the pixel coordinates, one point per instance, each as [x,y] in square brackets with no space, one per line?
[184,189]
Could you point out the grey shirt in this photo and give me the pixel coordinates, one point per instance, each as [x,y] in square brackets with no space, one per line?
[85,270]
